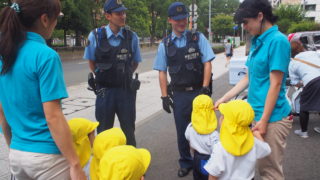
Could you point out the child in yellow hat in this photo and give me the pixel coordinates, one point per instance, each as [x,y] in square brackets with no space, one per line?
[201,134]
[124,163]
[103,142]
[83,134]
[235,156]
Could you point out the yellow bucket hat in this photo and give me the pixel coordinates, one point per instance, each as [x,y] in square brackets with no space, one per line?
[80,128]
[102,143]
[203,117]
[235,134]
[124,163]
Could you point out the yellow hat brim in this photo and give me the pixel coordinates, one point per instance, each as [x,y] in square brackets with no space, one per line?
[237,144]
[94,169]
[146,158]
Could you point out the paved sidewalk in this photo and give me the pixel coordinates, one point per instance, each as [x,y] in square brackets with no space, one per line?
[4,165]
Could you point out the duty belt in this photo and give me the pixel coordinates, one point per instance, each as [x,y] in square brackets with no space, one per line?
[186,88]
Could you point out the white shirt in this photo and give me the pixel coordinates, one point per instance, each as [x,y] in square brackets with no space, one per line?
[86,168]
[299,71]
[228,167]
[199,142]
[228,49]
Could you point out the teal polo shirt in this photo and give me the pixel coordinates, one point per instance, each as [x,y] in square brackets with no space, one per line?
[269,52]
[36,77]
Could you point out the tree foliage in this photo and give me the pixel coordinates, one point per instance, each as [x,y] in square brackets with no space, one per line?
[77,17]
[146,17]
[287,15]
[304,26]
[223,25]
[138,17]
[291,12]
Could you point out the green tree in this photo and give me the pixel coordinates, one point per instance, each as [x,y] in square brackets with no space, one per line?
[227,7]
[77,17]
[138,16]
[158,13]
[304,26]
[223,25]
[288,14]
[81,19]
[65,22]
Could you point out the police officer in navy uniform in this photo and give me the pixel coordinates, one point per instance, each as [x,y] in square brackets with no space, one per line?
[187,56]
[114,54]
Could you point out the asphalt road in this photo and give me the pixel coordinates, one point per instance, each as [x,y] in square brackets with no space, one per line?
[76,69]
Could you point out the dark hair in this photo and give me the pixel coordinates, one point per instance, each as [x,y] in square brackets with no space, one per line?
[296,48]
[251,9]
[14,24]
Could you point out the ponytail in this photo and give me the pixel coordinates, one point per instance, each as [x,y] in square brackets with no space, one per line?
[12,35]
[16,20]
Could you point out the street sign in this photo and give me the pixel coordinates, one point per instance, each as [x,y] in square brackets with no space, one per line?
[194,6]
[195,26]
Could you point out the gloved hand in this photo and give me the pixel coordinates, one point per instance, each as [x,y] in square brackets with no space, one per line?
[166,103]
[205,90]
[92,83]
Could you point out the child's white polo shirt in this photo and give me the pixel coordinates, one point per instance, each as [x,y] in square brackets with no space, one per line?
[229,167]
[203,143]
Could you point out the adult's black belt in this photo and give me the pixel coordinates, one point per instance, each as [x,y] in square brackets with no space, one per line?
[186,88]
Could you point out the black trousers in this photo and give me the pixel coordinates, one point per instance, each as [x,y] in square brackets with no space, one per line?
[120,102]
[199,160]
[304,120]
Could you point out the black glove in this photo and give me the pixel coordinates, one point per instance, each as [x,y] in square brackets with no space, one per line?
[166,103]
[135,83]
[91,83]
[205,90]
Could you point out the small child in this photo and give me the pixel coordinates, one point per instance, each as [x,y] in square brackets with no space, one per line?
[201,134]
[83,134]
[103,142]
[235,156]
[124,163]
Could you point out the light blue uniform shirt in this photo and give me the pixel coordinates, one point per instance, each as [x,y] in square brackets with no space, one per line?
[36,77]
[160,62]
[114,40]
[269,52]
[299,71]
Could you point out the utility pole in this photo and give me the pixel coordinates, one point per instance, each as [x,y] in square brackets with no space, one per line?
[209,30]
[192,14]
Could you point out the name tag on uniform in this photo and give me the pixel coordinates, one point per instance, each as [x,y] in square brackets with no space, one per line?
[191,56]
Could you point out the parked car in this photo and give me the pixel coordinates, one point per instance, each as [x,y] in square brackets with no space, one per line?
[309,39]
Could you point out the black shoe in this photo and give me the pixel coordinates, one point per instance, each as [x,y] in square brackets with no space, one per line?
[182,172]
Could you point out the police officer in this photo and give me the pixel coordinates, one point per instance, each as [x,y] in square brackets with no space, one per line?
[187,56]
[114,54]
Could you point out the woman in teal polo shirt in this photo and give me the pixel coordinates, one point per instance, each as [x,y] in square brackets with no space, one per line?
[32,86]
[267,70]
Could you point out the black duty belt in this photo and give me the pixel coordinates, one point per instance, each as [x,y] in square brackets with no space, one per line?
[186,88]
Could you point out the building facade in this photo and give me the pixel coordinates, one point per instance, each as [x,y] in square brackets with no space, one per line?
[312,7]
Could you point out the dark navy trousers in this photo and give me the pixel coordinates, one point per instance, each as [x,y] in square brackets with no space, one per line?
[199,161]
[121,102]
[182,101]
